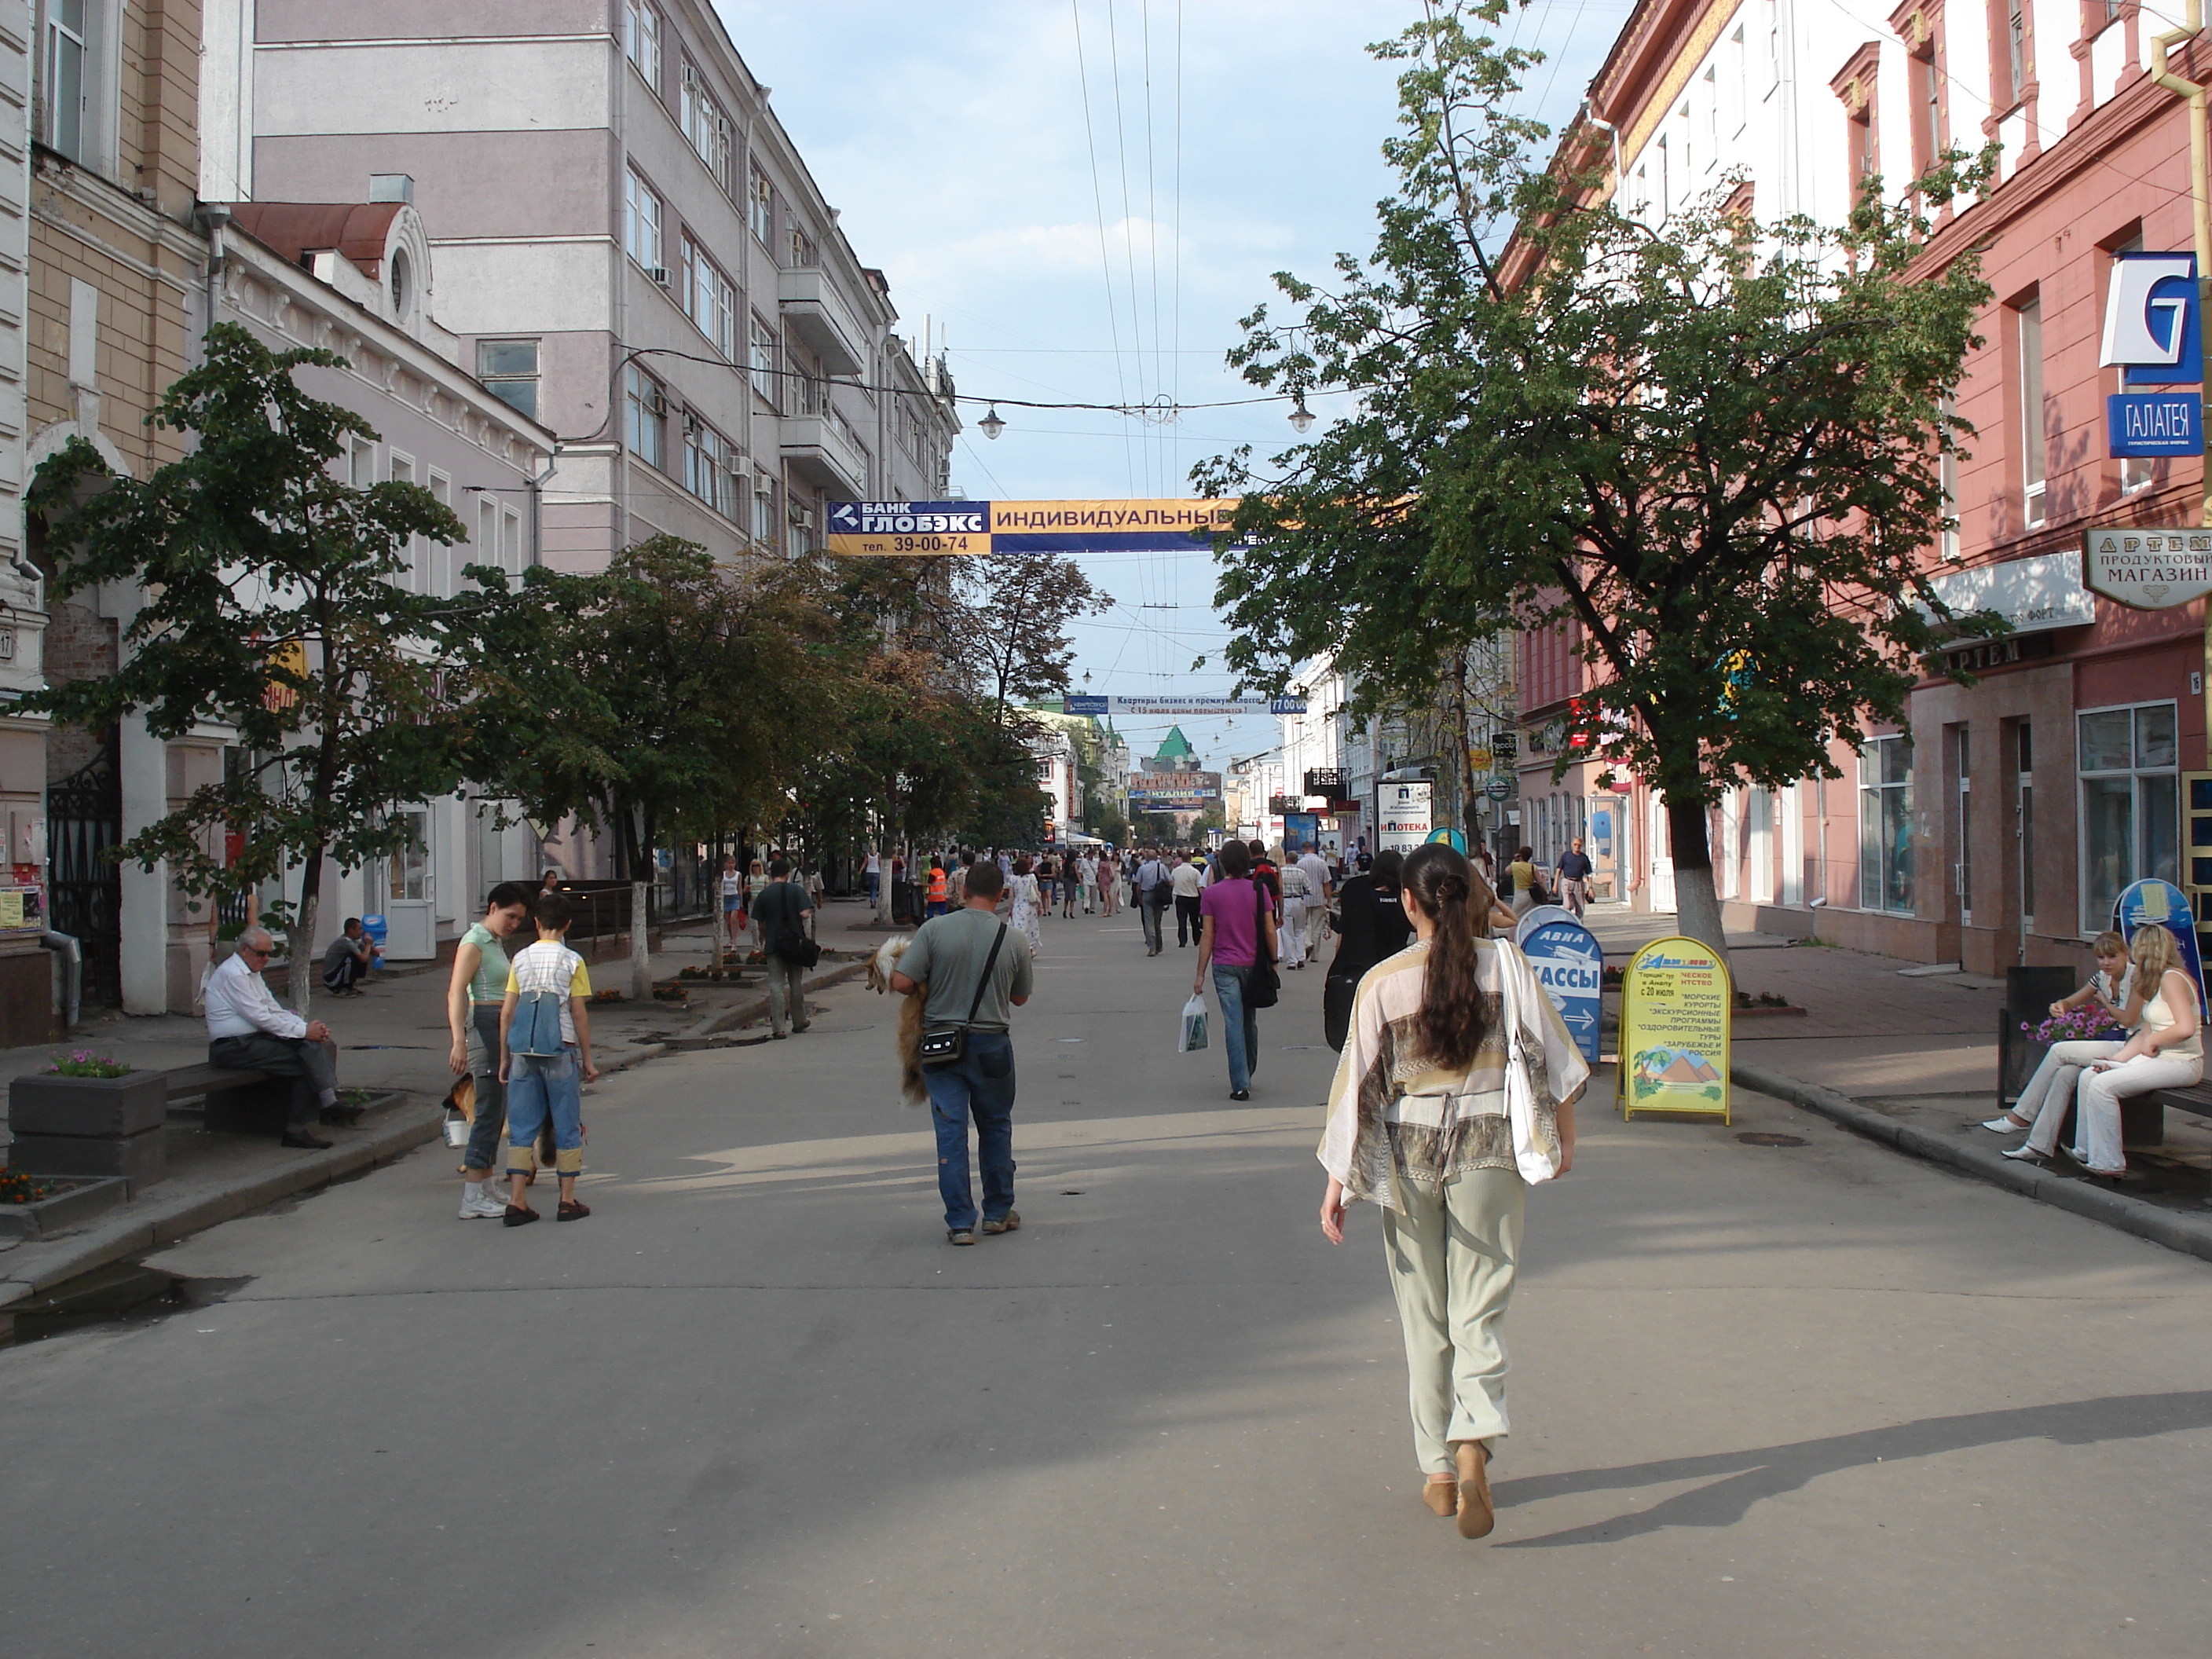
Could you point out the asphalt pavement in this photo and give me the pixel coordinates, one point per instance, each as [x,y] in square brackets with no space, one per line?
[1806,1399]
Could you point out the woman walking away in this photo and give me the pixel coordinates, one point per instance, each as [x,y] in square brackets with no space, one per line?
[1024,918]
[473,996]
[2166,1052]
[1422,1121]
[1522,873]
[1374,926]
[2115,988]
[1237,923]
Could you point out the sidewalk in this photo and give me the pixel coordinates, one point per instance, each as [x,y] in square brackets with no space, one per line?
[1910,1059]
[392,1044]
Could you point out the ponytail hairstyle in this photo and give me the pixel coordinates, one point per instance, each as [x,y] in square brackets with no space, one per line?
[1451,1026]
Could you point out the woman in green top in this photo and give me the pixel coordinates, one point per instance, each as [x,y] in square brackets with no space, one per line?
[472,1005]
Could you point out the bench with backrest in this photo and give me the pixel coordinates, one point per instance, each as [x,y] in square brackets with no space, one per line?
[236,1100]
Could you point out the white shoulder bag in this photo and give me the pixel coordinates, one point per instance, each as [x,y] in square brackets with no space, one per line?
[1535,1153]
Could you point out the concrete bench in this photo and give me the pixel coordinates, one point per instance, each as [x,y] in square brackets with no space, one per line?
[243,1101]
[92,1127]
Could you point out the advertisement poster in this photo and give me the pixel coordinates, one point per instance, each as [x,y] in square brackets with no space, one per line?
[1570,964]
[1301,831]
[1402,815]
[1676,1010]
[2153,900]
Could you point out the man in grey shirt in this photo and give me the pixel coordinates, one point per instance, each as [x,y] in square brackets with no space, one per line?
[948,955]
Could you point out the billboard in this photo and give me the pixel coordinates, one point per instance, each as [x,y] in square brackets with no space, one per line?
[1174,791]
[1402,815]
[948,529]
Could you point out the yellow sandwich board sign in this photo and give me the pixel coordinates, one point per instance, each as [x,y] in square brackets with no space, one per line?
[1676,1005]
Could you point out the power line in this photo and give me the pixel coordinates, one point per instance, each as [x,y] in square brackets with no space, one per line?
[1098,200]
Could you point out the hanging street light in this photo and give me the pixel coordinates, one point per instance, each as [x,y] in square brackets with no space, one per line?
[993,426]
[1301,418]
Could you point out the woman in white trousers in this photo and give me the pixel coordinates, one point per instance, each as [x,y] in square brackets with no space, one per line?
[2118,990]
[2166,1052]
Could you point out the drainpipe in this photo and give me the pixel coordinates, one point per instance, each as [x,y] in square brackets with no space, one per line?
[537,506]
[215,216]
[72,966]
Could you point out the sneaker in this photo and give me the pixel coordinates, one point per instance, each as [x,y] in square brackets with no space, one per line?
[958,1236]
[2005,1123]
[483,1207]
[1240,1094]
[1010,1224]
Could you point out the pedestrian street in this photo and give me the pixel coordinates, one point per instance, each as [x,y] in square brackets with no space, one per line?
[1765,1400]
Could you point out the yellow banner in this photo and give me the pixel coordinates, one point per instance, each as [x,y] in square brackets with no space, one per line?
[950,529]
[1677,1006]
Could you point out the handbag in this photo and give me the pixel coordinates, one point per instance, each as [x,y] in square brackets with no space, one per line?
[944,1046]
[1262,984]
[1536,1157]
[799,950]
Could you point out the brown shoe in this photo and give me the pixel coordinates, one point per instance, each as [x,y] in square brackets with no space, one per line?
[1442,1496]
[1010,1223]
[571,1210]
[1477,1514]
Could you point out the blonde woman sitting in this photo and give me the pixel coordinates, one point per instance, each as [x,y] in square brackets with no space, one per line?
[2166,1052]
[2118,990]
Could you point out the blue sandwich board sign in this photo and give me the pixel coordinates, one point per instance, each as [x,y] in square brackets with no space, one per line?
[1570,964]
[2151,900]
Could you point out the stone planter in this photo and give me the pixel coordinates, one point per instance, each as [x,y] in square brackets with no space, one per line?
[141,1159]
[105,1107]
[63,1211]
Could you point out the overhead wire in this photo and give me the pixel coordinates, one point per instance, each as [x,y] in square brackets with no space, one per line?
[1098,201]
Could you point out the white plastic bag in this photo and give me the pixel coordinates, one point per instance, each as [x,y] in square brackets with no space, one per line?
[1193,1026]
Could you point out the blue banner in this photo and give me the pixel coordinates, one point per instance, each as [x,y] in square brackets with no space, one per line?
[2154,901]
[2154,423]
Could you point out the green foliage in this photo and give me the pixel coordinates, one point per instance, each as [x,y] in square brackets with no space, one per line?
[269,601]
[1713,449]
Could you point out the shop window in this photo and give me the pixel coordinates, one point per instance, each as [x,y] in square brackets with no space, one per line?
[1886,824]
[2131,807]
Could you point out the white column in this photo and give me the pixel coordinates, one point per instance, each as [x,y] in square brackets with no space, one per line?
[142,760]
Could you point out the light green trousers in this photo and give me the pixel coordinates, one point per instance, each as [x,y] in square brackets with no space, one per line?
[1453,1250]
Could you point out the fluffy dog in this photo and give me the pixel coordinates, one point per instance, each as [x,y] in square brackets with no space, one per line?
[880,968]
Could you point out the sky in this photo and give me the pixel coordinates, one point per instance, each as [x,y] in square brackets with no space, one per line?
[1079,199]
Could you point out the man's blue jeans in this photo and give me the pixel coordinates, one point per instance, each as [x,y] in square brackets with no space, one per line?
[979,1084]
[1240,1025]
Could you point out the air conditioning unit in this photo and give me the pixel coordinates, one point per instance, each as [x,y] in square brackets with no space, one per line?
[659,273]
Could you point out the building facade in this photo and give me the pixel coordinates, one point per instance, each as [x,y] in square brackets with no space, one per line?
[1998,822]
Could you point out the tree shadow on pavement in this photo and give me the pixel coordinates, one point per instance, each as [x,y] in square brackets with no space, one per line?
[1745,1477]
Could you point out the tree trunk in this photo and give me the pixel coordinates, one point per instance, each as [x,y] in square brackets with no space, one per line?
[301,947]
[1696,903]
[640,967]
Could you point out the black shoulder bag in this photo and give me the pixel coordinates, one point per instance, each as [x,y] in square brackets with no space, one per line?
[1262,985]
[943,1047]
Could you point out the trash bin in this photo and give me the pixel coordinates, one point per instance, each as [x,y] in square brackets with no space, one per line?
[2029,992]
[906,904]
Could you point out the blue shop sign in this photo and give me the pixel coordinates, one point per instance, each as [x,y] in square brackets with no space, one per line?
[2154,423]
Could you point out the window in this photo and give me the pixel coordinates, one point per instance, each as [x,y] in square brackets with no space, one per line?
[1859,136]
[2024,825]
[1712,118]
[1962,825]
[642,222]
[361,467]
[645,408]
[1642,190]
[763,525]
[710,467]
[760,206]
[710,300]
[1666,179]
[802,249]
[413,575]
[1927,109]
[65,68]
[487,540]
[2130,809]
[510,541]
[438,560]
[403,284]
[1886,824]
[707,127]
[801,539]
[2034,457]
[1739,81]
[2008,74]
[641,40]
[764,359]
[509,369]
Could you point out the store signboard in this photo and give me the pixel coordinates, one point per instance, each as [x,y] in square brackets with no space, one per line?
[2148,567]
[2032,595]
[1570,964]
[2143,903]
[2154,331]
[1174,791]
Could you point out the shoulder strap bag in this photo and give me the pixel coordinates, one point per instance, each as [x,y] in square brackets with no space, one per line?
[949,1043]
[1263,984]
[1536,1154]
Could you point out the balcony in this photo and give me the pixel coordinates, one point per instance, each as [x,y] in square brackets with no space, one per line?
[822,449]
[818,314]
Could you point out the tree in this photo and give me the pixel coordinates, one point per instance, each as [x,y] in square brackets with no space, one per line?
[1022,604]
[1711,451]
[267,602]
[655,696]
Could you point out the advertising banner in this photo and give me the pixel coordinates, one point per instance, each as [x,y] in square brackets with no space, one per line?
[1301,832]
[1402,815]
[1676,1006]
[1174,791]
[2154,901]
[949,529]
[1570,964]
[2149,568]
[1176,708]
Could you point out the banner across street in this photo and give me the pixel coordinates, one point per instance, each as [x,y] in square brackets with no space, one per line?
[952,529]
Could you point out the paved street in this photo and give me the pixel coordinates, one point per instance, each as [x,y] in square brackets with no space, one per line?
[1807,1399]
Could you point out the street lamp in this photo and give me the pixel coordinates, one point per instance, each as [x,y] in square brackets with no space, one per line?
[991,424]
[1301,418]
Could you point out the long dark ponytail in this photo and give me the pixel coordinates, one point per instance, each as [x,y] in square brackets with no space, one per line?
[1451,1024]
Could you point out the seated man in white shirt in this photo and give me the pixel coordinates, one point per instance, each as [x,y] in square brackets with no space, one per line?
[247,1028]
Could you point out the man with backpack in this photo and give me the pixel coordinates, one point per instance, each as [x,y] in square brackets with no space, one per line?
[782,909]
[545,1059]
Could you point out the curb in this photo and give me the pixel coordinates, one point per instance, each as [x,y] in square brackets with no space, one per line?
[413,1124]
[2175,1230]
[756,1007]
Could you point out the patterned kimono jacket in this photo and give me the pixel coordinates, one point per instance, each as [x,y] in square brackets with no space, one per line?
[1393,1116]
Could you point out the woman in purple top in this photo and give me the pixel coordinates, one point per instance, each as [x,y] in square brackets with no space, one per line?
[1237,922]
